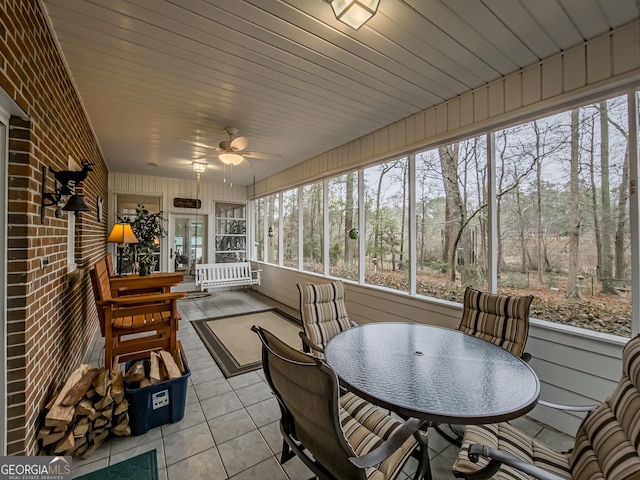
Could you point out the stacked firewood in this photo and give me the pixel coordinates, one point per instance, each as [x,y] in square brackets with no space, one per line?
[92,404]
[89,406]
[160,366]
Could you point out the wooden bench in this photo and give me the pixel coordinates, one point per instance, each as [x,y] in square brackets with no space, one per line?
[217,275]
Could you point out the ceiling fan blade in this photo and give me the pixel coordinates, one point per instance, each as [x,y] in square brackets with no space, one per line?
[239,143]
[262,155]
[199,144]
[206,155]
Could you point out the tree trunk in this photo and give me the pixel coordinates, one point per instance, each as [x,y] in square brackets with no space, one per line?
[453,203]
[539,239]
[594,201]
[574,209]
[607,220]
[622,216]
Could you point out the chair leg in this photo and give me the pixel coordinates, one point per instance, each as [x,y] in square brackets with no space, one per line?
[287,453]
[424,464]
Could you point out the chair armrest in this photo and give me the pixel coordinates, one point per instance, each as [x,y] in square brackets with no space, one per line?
[497,458]
[310,344]
[146,298]
[568,408]
[391,445]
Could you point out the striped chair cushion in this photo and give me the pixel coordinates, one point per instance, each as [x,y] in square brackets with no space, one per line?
[365,428]
[323,311]
[512,441]
[500,319]
[607,444]
[608,439]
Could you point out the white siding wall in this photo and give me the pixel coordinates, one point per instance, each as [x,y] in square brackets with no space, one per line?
[608,62]
[168,189]
[575,366]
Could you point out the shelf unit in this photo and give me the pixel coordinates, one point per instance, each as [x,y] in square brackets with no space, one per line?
[230,223]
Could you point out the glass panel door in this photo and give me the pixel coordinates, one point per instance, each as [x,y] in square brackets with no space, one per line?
[188,243]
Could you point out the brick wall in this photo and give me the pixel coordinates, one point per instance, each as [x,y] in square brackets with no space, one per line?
[51,316]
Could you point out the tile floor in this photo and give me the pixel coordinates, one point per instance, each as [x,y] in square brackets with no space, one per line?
[230,427]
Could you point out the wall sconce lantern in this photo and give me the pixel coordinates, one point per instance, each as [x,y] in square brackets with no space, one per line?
[354,13]
[66,183]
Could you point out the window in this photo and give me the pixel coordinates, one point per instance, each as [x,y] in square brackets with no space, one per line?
[343,226]
[273,221]
[452,224]
[312,227]
[259,230]
[560,216]
[290,253]
[386,224]
[563,210]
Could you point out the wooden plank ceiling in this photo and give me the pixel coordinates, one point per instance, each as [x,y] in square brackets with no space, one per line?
[161,78]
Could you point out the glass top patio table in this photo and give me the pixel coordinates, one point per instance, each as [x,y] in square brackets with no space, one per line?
[434,373]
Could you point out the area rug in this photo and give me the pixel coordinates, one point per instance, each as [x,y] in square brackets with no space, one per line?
[135,468]
[235,348]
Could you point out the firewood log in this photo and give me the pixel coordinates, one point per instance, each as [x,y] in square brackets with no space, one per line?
[96,441]
[172,369]
[122,428]
[121,407]
[85,407]
[154,368]
[102,382]
[65,443]
[177,357]
[135,373]
[117,386]
[59,414]
[82,449]
[144,382]
[81,427]
[52,438]
[75,393]
[104,403]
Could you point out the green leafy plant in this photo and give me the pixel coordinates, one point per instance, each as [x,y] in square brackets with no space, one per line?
[148,229]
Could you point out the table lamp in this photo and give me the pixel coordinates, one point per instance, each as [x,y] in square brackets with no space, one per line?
[121,234]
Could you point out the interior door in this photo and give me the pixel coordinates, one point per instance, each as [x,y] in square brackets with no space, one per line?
[187,243]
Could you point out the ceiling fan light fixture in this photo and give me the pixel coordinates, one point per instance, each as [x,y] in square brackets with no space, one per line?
[230,159]
[199,167]
[354,13]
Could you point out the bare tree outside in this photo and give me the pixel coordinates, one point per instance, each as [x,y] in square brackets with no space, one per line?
[562,198]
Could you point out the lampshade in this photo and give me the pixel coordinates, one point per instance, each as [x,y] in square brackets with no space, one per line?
[76,203]
[121,233]
[199,167]
[230,159]
[354,13]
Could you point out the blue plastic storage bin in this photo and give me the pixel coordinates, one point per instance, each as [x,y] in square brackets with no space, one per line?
[155,405]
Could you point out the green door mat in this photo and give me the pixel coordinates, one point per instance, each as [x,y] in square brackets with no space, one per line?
[143,466]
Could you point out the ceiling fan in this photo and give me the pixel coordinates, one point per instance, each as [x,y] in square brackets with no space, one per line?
[232,152]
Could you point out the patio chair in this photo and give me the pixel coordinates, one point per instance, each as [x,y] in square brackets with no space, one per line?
[606,445]
[499,319]
[335,436]
[323,313]
[153,316]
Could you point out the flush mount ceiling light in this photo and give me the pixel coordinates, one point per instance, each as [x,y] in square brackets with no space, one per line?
[354,13]
[199,167]
[230,159]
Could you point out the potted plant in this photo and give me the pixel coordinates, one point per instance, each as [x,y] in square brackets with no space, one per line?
[148,229]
